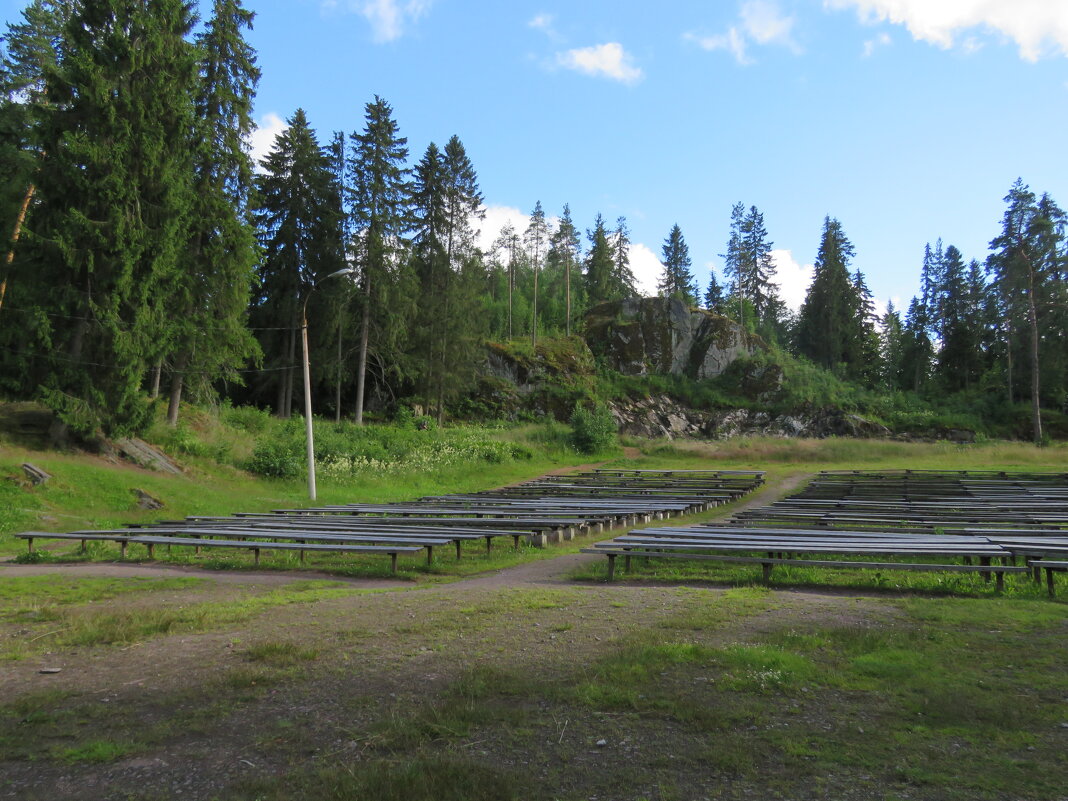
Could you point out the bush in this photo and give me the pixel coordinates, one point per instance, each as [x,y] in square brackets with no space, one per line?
[592,430]
[277,458]
[246,418]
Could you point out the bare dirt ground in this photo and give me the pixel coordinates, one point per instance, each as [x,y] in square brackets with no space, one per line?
[201,719]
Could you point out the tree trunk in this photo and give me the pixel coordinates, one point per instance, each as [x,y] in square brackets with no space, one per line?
[1008,359]
[291,371]
[58,430]
[337,378]
[1036,406]
[567,285]
[14,240]
[534,314]
[157,372]
[361,362]
[177,382]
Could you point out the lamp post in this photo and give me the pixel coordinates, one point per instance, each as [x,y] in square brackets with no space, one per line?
[307,380]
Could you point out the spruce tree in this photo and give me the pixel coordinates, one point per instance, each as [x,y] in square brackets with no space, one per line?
[210,298]
[600,264]
[445,200]
[677,279]
[116,196]
[297,223]
[380,198]
[828,329]
[623,280]
[714,296]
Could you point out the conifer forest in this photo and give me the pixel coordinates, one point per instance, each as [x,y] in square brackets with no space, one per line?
[148,261]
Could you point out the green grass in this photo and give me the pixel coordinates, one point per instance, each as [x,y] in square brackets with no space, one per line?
[36,597]
[437,778]
[96,752]
[81,626]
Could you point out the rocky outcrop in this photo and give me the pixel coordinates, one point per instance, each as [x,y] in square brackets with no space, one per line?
[663,417]
[643,336]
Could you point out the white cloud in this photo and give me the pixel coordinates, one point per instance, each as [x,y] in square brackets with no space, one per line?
[765,24]
[541,22]
[607,60]
[262,139]
[643,261]
[388,18]
[1036,26]
[646,266]
[760,22]
[793,278]
[870,46]
[496,218]
[733,41]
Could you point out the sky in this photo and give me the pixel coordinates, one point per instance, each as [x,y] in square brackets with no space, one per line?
[907,120]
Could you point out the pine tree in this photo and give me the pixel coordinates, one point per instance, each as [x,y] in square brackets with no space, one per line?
[297,223]
[32,52]
[564,254]
[536,240]
[1025,255]
[677,280]
[380,197]
[210,298]
[751,269]
[115,189]
[507,250]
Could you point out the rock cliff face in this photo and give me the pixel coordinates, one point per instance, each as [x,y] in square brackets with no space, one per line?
[663,417]
[642,336]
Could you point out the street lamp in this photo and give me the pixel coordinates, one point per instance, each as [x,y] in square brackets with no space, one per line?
[307,380]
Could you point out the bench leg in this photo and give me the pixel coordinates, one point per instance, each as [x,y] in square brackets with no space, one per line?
[611,566]
[985,562]
[85,546]
[256,556]
[430,554]
[766,570]
[457,550]
[151,551]
[1049,581]
[302,557]
[122,548]
[489,544]
[626,563]
[1036,573]
[393,563]
[29,544]
[1000,582]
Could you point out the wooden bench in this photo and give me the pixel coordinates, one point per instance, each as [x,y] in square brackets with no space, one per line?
[1051,566]
[656,551]
[151,542]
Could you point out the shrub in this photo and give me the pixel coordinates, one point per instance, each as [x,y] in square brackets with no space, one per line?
[592,430]
[277,458]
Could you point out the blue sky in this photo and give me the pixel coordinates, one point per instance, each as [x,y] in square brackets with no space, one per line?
[908,120]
